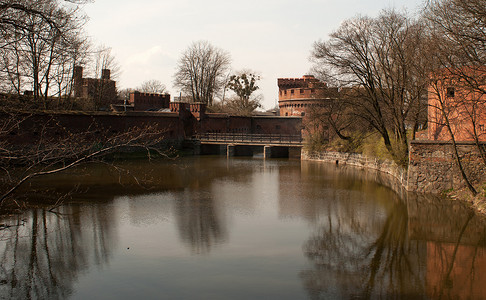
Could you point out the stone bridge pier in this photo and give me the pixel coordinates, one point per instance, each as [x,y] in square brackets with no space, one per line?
[234,150]
[271,146]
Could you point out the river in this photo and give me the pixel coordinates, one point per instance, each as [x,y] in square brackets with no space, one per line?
[238,228]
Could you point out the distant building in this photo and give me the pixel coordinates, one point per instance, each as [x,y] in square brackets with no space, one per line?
[296,96]
[102,91]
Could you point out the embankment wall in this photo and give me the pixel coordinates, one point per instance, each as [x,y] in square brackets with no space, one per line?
[432,165]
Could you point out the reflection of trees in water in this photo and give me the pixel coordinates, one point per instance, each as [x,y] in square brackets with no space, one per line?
[42,256]
[199,221]
[457,269]
[356,257]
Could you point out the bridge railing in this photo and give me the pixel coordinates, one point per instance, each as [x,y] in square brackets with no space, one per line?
[250,138]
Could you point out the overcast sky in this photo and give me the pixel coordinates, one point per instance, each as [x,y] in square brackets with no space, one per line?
[272,37]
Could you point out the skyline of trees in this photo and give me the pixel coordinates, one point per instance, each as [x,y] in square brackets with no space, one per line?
[201,71]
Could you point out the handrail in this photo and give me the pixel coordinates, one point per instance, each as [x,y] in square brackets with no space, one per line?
[250,138]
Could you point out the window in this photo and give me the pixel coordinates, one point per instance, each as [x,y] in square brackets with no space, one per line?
[302,114]
[292,92]
[481,128]
[285,92]
[301,91]
[450,92]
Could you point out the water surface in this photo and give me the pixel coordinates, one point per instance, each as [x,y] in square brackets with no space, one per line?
[213,228]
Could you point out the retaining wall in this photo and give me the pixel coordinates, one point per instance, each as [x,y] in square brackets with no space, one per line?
[432,165]
[361,161]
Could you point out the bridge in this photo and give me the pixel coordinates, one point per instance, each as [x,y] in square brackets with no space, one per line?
[244,144]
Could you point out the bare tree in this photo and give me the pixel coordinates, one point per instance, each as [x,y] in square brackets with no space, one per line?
[41,42]
[458,82]
[105,68]
[458,29]
[201,71]
[239,107]
[152,86]
[377,59]
[446,114]
[39,146]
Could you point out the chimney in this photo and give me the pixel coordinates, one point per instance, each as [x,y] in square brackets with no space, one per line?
[78,72]
[105,74]
[78,81]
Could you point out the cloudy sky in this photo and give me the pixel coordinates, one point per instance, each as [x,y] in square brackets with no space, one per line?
[272,37]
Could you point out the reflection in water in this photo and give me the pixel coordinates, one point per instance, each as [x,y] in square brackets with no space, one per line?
[44,253]
[355,261]
[384,256]
[360,250]
[455,242]
[272,229]
[198,221]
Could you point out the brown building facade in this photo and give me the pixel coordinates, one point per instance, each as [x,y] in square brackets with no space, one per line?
[458,102]
[102,91]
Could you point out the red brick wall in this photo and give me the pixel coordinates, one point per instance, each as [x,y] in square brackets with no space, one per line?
[146,101]
[31,128]
[173,125]
[464,107]
[297,96]
[258,125]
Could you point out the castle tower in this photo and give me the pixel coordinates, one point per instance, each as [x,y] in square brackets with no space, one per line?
[298,95]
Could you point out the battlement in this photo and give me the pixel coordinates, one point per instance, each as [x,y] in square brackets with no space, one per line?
[296,95]
[307,81]
[198,110]
[146,101]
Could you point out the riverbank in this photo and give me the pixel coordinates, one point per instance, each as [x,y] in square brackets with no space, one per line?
[478,202]
[400,176]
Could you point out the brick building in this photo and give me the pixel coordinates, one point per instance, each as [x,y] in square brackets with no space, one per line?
[102,91]
[464,105]
[296,96]
[148,101]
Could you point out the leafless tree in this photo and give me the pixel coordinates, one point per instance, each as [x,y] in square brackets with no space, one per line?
[152,86]
[459,29]
[105,68]
[201,71]
[458,53]
[377,59]
[237,106]
[42,40]
[445,113]
[53,147]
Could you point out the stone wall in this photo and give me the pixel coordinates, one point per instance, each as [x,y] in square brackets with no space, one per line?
[432,166]
[361,161]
